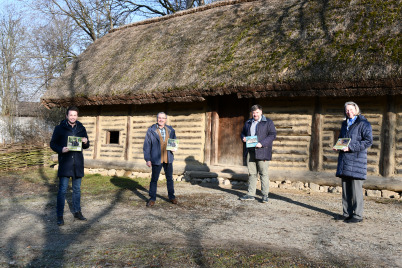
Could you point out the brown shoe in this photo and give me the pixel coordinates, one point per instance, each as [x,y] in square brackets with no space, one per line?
[150,203]
[174,201]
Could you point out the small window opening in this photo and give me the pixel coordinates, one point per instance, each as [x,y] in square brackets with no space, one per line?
[113,137]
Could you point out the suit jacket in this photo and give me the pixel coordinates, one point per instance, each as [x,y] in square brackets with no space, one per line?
[266,134]
[152,145]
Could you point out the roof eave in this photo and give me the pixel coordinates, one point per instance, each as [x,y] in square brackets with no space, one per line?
[306,89]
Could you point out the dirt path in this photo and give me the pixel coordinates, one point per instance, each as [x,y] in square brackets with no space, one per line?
[293,221]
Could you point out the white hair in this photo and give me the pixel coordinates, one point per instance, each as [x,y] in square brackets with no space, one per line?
[353,104]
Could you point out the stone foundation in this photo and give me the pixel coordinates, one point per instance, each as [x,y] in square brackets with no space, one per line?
[229,183]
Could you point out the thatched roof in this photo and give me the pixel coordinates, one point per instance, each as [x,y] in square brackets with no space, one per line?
[250,48]
[28,109]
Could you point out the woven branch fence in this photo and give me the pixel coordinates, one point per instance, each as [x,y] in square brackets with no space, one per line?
[15,156]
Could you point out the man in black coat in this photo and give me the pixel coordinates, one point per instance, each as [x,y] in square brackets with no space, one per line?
[71,163]
[258,156]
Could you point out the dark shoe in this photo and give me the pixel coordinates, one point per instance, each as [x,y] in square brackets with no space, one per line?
[341,217]
[78,215]
[345,219]
[150,203]
[247,198]
[60,221]
[353,220]
[173,201]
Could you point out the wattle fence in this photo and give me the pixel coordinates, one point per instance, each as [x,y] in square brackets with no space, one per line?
[15,156]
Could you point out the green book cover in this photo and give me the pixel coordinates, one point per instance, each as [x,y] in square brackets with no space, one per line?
[74,143]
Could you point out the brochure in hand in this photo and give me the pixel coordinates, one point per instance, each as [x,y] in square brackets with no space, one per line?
[251,141]
[74,143]
[342,143]
[172,145]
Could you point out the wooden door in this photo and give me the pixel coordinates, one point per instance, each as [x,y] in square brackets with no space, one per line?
[232,114]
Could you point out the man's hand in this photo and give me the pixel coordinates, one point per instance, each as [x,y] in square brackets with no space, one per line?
[259,145]
[149,164]
[84,140]
[346,149]
[65,150]
[244,139]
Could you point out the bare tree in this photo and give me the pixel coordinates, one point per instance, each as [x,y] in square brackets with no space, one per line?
[13,66]
[93,17]
[151,8]
[52,45]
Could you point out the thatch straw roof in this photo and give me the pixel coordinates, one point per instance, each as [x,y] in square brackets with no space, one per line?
[28,109]
[250,48]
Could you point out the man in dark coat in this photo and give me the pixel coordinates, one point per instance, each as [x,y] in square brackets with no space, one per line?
[71,163]
[352,161]
[157,156]
[258,157]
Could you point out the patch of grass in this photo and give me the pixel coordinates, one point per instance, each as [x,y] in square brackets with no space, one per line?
[40,175]
[157,255]
[92,184]
[98,184]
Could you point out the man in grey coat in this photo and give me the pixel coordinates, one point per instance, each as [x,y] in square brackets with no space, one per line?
[258,156]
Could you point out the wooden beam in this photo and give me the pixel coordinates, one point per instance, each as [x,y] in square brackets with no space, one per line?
[208,138]
[214,137]
[97,136]
[316,153]
[128,136]
[387,166]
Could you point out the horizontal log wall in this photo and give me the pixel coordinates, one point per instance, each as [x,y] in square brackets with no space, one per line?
[332,119]
[140,122]
[89,123]
[190,130]
[398,137]
[293,125]
[112,151]
[189,124]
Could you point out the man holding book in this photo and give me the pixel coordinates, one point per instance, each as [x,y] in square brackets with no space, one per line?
[158,155]
[261,131]
[71,161]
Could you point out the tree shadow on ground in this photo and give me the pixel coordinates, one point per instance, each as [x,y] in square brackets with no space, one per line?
[131,185]
[55,233]
[137,189]
[53,251]
[239,191]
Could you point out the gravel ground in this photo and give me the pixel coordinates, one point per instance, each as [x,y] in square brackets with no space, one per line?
[295,222]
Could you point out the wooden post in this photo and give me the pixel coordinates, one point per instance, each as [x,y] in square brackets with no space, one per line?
[128,134]
[208,138]
[316,138]
[387,166]
[214,137]
[97,136]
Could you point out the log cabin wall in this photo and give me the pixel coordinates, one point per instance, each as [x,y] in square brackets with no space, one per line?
[131,124]
[307,128]
[189,121]
[293,122]
[112,148]
[89,123]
